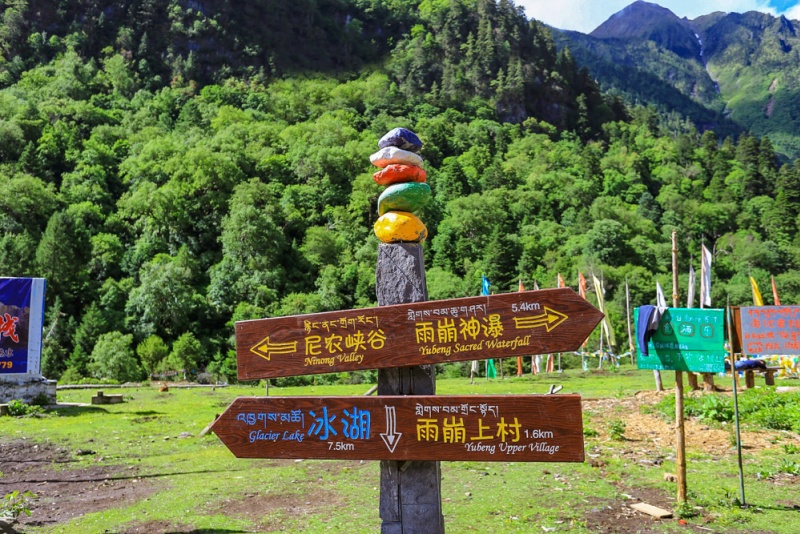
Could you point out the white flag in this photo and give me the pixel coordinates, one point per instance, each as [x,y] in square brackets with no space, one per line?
[661,302]
[705,278]
[690,297]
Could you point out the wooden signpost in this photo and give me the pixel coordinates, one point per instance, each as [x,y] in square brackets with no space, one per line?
[419,333]
[407,427]
[508,428]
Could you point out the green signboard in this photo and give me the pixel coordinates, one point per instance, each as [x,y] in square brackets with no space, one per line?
[687,339]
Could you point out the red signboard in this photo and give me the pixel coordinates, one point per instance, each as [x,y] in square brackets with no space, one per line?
[510,324]
[518,428]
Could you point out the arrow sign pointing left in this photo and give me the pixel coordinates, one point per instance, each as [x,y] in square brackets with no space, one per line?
[507,428]
[521,323]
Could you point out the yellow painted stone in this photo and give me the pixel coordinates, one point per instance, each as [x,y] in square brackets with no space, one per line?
[400,227]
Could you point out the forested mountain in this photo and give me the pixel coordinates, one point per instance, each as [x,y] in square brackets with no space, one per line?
[166,191]
[729,72]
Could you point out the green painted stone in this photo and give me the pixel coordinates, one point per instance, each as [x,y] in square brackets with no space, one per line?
[409,196]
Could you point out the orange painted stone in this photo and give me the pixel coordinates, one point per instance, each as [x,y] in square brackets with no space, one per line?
[397,173]
[400,227]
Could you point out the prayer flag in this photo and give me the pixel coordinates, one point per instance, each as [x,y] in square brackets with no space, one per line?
[757,300]
[705,277]
[581,285]
[661,302]
[775,292]
[519,358]
[582,293]
[491,371]
[692,281]
[598,288]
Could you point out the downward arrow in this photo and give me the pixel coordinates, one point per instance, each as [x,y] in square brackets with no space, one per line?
[390,437]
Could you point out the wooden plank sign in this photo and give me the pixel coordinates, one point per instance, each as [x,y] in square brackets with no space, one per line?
[421,333]
[770,330]
[518,428]
[687,339]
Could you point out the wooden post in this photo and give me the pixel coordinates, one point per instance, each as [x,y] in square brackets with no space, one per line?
[708,382]
[680,435]
[657,376]
[692,378]
[680,438]
[411,493]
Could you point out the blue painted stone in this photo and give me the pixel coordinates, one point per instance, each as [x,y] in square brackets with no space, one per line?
[410,196]
[401,138]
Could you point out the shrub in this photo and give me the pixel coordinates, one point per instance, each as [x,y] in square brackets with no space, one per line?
[71,376]
[18,408]
[206,378]
[616,429]
[15,503]
[716,408]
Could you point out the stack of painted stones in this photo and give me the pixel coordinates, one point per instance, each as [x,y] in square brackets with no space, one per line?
[406,191]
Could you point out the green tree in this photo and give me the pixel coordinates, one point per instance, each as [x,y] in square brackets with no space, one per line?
[152,352]
[186,354]
[112,357]
[165,302]
[92,326]
[61,258]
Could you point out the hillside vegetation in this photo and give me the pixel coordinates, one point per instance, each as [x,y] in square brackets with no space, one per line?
[166,191]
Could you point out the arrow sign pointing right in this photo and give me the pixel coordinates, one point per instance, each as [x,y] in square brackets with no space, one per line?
[521,323]
[390,438]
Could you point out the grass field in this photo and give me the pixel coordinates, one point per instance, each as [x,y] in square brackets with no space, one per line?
[151,472]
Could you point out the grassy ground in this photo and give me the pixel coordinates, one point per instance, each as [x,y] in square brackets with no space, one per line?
[196,485]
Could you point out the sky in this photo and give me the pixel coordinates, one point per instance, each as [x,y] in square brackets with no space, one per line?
[586,15]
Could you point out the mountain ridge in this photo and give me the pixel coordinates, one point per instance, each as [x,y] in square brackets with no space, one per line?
[741,68]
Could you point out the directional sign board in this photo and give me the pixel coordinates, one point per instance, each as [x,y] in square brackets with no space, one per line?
[687,339]
[519,428]
[510,324]
[770,330]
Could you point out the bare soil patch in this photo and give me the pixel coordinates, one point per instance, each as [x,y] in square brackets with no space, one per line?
[607,516]
[649,440]
[650,433]
[256,507]
[63,492]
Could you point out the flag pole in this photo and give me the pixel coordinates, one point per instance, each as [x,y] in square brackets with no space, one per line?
[628,309]
[680,435]
[735,403]
[775,298]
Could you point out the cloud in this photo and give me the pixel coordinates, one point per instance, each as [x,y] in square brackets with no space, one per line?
[585,15]
[793,13]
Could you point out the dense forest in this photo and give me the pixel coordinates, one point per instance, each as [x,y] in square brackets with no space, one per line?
[172,176]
